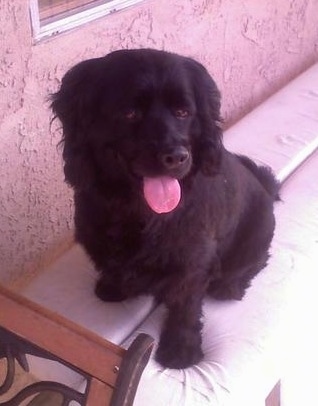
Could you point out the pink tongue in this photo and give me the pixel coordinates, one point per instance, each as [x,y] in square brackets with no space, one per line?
[162,193]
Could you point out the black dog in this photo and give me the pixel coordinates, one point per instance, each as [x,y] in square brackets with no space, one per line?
[160,206]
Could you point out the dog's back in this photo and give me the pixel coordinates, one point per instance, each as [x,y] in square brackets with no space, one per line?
[264,174]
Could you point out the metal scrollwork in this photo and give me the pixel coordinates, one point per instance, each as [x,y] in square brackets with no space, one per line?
[9,377]
[14,349]
[67,393]
[10,355]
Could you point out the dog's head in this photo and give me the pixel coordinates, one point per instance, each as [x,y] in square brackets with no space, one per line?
[144,114]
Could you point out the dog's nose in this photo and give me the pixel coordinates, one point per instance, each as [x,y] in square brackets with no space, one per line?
[175,158]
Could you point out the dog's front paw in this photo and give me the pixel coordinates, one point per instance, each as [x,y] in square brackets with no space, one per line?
[179,353]
[109,293]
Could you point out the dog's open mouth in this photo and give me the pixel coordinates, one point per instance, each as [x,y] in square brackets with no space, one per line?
[162,193]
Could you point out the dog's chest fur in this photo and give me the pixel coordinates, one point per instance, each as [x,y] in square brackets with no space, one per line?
[131,239]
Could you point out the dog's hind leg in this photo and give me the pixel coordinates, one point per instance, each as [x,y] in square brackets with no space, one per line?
[236,279]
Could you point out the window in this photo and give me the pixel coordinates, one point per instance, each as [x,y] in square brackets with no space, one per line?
[51,17]
[55,8]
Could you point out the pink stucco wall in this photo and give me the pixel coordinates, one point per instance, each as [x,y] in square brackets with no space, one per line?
[251,47]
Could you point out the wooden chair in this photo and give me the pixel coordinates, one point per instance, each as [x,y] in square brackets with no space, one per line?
[111,372]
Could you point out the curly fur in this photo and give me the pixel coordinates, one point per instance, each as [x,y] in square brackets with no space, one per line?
[121,115]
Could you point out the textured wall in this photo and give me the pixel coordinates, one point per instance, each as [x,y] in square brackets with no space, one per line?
[251,47]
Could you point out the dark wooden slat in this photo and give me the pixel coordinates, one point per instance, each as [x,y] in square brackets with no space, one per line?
[273,399]
[99,393]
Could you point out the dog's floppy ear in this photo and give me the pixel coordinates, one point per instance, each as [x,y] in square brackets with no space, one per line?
[207,128]
[74,105]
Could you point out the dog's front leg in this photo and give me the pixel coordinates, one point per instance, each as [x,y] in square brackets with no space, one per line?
[180,341]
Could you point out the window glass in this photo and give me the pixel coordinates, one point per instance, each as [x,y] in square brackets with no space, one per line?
[51,17]
[57,8]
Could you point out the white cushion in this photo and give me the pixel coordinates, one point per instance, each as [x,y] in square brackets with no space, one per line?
[283,129]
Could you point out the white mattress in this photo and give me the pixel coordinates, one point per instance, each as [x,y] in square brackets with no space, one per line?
[247,344]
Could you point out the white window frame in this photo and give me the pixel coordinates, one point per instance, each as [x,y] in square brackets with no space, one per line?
[44,30]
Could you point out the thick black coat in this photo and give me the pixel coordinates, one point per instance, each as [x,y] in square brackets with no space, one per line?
[146,113]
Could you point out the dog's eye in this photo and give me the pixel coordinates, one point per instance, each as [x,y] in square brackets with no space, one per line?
[181,113]
[132,115]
